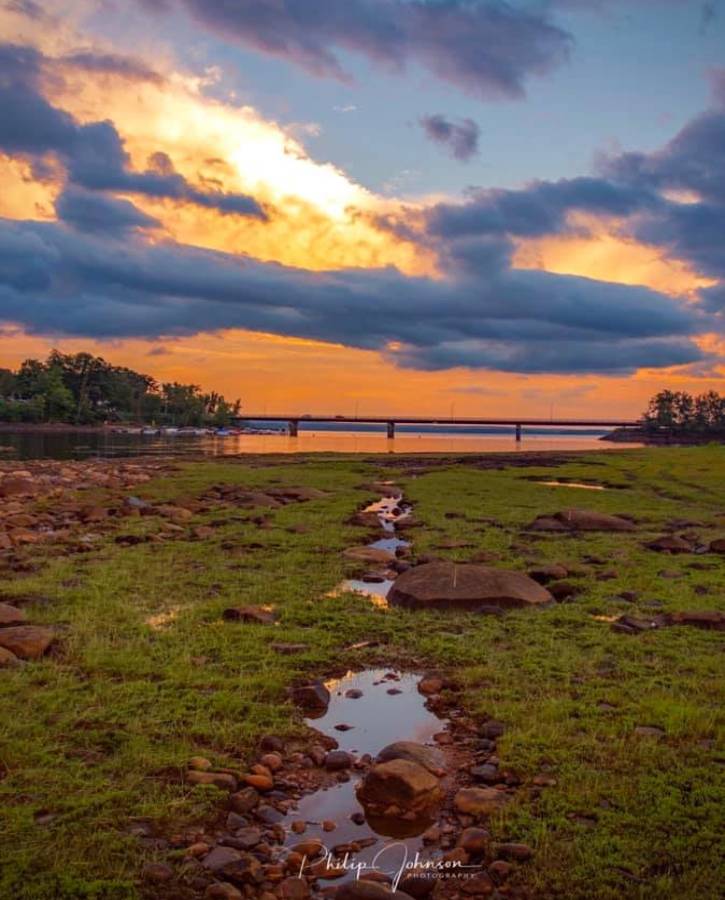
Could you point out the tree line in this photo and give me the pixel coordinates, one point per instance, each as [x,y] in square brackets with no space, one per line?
[83,389]
[681,412]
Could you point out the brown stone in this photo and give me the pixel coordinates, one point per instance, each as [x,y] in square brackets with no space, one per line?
[428,757]
[313,696]
[710,620]
[293,889]
[11,615]
[430,685]
[582,520]
[545,574]
[8,659]
[244,801]
[718,545]
[514,852]
[670,543]
[157,873]
[261,783]
[399,784]
[258,615]
[26,641]
[447,585]
[480,802]
[474,840]
[222,890]
[223,780]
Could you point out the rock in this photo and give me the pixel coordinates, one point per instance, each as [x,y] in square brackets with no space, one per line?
[364,889]
[175,513]
[653,731]
[222,780]
[245,838]
[258,615]
[353,694]
[474,840]
[17,487]
[480,802]
[670,543]
[8,659]
[271,742]
[430,685]
[492,729]
[447,585]
[514,852]
[222,890]
[27,641]
[293,889]
[220,857]
[273,761]
[633,625]
[545,574]
[428,757]
[486,774]
[369,554]
[157,873]
[717,546]
[261,783]
[563,590]
[500,870]
[244,801]
[581,520]
[478,885]
[200,763]
[11,615]
[337,760]
[313,696]
[399,784]
[710,620]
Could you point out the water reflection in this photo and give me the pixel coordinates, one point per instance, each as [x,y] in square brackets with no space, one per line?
[36,445]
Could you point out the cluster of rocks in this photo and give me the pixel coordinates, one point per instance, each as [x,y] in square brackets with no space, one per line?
[687,542]
[708,620]
[449,791]
[577,520]
[19,640]
[39,503]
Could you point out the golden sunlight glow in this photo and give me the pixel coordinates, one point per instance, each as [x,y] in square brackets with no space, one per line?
[604,255]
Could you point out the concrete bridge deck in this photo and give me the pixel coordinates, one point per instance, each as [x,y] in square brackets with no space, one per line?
[517,423]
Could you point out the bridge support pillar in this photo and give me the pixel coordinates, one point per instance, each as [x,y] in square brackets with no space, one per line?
[391,430]
[518,433]
[293,427]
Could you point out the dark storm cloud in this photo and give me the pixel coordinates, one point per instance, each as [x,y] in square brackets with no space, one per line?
[93,154]
[87,211]
[486,47]
[59,281]
[459,138]
[112,64]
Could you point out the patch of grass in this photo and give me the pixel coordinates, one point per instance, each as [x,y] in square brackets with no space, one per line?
[148,674]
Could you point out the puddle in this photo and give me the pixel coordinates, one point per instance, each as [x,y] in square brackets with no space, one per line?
[389,510]
[378,718]
[574,484]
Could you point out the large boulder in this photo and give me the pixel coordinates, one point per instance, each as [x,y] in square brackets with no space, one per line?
[581,520]
[429,757]
[399,788]
[448,585]
[26,641]
[11,615]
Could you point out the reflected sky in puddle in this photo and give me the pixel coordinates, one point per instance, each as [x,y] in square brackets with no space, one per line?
[378,718]
[573,484]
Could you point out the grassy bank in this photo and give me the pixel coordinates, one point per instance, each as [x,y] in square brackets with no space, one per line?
[146,674]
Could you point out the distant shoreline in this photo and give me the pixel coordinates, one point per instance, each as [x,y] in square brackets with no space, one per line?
[661,439]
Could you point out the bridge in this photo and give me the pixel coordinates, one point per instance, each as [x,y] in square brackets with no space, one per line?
[518,424]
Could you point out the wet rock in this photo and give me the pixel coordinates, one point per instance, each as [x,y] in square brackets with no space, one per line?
[581,520]
[8,659]
[261,783]
[313,696]
[337,760]
[26,641]
[258,615]
[670,543]
[514,852]
[222,780]
[399,787]
[431,684]
[268,815]
[244,838]
[293,889]
[353,694]
[447,585]
[474,840]
[246,870]
[480,802]
[157,873]
[428,757]
[369,555]
[710,620]
[11,615]
[244,801]
[222,890]
[363,889]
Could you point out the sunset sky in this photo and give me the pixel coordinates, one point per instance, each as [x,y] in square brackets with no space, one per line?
[382,206]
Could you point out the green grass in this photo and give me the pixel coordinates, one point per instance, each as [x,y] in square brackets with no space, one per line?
[96,734]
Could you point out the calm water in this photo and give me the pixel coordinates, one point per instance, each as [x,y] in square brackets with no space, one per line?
[79,446]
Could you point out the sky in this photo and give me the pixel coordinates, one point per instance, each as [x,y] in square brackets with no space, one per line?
[428,207]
